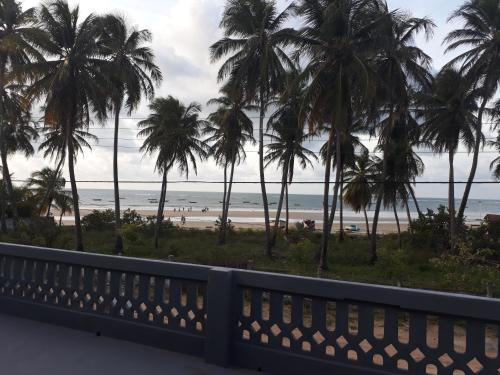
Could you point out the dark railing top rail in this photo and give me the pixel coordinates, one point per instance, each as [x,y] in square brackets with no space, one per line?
[460,305]
[125,264]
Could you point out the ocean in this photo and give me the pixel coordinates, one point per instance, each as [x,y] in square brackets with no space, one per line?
[251,202]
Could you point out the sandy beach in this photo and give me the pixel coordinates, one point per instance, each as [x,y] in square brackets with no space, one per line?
[253,219]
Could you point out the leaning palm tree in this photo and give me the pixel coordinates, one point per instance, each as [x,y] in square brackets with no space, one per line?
[74,82]
[133,73]
[172,131]
[47,184]
[358,190]
[480,37]
[255,39]
[64,204]
[19,39]
[448,111]
[230,129]
[286,145]
[338,40]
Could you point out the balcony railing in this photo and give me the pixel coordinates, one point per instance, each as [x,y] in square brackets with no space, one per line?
[274,323]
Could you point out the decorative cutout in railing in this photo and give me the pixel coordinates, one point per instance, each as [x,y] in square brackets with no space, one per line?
[150,299]
[365,335]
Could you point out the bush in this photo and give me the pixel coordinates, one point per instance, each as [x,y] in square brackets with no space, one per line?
[38,231]
[132,217]
[130,232]
[432,230]
[99,220]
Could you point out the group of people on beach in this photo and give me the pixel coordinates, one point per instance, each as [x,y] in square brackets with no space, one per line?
[189,209]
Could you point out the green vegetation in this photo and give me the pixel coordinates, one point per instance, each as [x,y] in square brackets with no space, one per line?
[471,271]
[423,261]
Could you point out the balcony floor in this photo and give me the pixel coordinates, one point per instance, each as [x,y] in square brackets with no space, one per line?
[29,347]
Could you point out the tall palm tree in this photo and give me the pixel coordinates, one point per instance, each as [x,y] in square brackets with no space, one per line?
[338,41]
[255,39]
[74,82]
[172,131]
[19,39]
[480,36]
[133,73]
[448,111]
[350,146]
[358,190]
[401,68]
[229,130]
[287,143]
[47,184]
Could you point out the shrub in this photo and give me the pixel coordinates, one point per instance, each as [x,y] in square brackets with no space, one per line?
[99,220]
[132,217]
[130,232]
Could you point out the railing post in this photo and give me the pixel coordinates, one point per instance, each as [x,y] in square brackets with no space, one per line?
[220,317]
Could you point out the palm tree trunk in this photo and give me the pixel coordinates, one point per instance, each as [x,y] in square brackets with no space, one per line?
[262,176]
[284,181]
[398,224]
[451,200]
[7,182]
[49,208]
[367,223]
[338,177]
[222,229]
[287,209]
[74,192]
[3,210]
[161,208]
[118,223]
[408,215]
[475,159]
[60,218]
[9,189]
[415,201]
[323,264]
[341,207]
[228,199]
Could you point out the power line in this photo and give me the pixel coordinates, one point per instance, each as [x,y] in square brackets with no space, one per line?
[269,182]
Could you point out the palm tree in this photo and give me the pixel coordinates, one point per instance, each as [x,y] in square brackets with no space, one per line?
[358,190]
[133,73]
[17,134]
[74,82]
[64,204]
[480,36]
[229,130]
[172,131]
[255,38]
[47,184]
[449,117]
[19,38]
[350,146]
[338,41]
[3,206]
[401,68]
[287,143]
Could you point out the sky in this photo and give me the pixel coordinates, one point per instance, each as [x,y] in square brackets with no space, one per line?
[183,30]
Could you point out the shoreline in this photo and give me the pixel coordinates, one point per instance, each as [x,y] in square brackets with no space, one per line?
[243,219]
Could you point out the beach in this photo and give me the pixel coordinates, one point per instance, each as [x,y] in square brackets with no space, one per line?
[254,219]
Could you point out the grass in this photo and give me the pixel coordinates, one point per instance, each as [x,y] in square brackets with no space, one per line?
[414,266]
